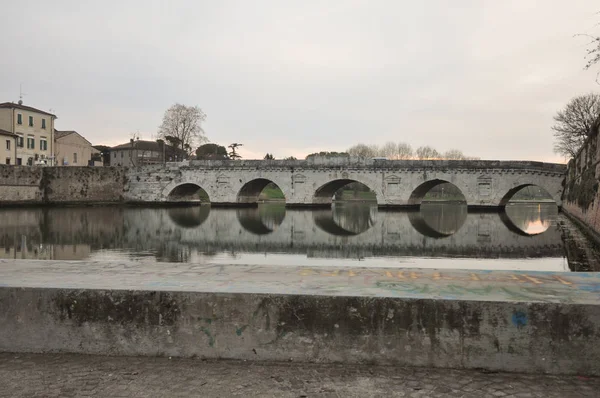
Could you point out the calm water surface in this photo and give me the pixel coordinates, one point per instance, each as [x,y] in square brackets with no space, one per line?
[525,237]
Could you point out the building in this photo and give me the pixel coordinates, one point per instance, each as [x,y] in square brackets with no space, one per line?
[71,149]
[140,152]
[8,147]
[34,129]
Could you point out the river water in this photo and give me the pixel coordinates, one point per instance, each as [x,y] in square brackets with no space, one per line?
[527,236]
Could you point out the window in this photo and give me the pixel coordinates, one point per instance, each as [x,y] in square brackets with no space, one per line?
[8,145]
[43,144]
[20,141]
[121,154]
[74,157]
[30,121]
[114,155]
[30,143]
[19,118]
[44,124]
[19,161]
[7,160]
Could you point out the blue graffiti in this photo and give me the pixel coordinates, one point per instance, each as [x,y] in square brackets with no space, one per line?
[519,319]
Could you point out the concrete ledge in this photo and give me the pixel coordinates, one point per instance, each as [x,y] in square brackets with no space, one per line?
[511,321]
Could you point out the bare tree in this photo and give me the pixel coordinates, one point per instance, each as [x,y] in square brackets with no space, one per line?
[592,55]
[427,152]
[404,151]
[574,123]
[389,150]
[454,154]
[362,151]
[184,125]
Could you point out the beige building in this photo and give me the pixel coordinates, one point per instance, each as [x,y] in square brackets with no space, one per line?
[71,149]
[8,147]
[34,129]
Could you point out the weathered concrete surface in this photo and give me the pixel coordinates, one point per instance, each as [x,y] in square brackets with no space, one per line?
[396,183]
[64,185]
[525,322]
[63,375]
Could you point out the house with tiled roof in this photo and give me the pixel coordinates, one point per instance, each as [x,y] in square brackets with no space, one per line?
[140,152]
[34,134]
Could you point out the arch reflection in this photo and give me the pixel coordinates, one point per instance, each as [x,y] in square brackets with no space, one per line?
[346,219]
[438,220]
[529,219]
[189,217]
[261,220]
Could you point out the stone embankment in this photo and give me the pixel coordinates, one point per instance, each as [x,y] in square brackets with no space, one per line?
[581,197]
[64,185]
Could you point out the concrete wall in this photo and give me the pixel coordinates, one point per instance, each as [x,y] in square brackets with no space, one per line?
[496,335]
[395,183]
[581,195]
[25,184]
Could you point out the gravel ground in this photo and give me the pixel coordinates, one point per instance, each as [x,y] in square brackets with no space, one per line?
[65,375]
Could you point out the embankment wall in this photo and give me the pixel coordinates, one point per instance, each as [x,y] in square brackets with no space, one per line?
[39,185]
[581,197]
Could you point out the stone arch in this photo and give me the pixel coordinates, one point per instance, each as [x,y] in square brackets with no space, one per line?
[417,195]
[187,192]
[249,192]
[511,192]
[324,194]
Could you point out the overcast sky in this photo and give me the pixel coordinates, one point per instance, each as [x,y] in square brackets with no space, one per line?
[295,77]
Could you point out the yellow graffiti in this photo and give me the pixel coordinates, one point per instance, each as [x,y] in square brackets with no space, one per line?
[406,275]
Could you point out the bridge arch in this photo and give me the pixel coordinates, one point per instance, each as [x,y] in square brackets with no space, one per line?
[418,194]
[250,192]
[187,192]
[324,194]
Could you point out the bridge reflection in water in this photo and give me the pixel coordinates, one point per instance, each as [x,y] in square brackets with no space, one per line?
[346,231]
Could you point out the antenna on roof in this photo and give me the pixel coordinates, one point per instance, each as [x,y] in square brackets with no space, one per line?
[21,94]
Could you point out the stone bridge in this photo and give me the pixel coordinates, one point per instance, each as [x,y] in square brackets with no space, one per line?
[314,182]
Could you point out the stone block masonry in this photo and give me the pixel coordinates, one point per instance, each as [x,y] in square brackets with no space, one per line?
[581,196]
[303,183]
[533,322]
[61,185]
